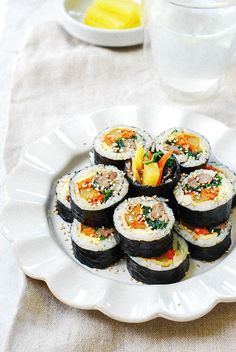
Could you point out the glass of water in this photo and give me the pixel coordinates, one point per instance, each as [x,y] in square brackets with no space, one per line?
[191,43]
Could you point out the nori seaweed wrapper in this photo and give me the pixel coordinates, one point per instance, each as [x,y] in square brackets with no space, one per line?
[153,277]
[208,218]
[97,259]
[172,203]
[95,218]
[234,201]
[64,212]
[212,253]
[187,170]
[146,249]
[99,159]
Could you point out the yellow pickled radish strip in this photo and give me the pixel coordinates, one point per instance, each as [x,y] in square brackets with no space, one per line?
[96,17]
[92,23]
[164,262]
[138,159]
[126,9]
[151,173]
[115,14]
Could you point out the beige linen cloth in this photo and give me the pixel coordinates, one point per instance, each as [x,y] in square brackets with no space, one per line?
[57,78]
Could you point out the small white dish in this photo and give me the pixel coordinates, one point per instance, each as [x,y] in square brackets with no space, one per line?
[41,239]
[72,18]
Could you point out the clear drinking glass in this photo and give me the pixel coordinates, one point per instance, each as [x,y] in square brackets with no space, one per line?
[191,42]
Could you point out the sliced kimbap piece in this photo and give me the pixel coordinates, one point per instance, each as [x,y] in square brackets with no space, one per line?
[191,149]
[206,244]
[95,247]
[152,173]
[227,172]
[144,226]
[95,192]
[63,199]
[167,268]
[117,144]
[204,198]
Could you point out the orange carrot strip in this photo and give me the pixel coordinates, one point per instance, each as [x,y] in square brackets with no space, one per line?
[85,183]
[138,225]
[109,139]
[127,133]
[201,231]
[183,140]
[209,193]
[97,199]
[88,231]
[137,209]
[169,254]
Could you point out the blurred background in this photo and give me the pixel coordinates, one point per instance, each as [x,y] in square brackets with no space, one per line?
[15,18]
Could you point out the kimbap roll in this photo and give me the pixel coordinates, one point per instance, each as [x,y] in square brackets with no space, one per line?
[117,144]
[93,246]
[206,244]
[190,148]
[168,268]
[152,173]
[63,206]
[204,198]
[144,226]
[227,172]
[95,192]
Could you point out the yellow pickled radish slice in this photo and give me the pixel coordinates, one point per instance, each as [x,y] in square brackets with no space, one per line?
[126,9]
[164,262]
[151,173]
[88,193]
[138,159]
[99,18]
[115,14]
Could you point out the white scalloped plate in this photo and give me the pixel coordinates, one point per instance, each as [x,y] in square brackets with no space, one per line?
[41,239]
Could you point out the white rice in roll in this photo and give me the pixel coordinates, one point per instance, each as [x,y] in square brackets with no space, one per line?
[118,186]
[170,140]
[93,242]
[63,190]
[226,171]
[121,148]
[197,237]
[147,234]
[192,199]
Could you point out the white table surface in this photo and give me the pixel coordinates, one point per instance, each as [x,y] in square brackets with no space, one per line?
[16,17]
